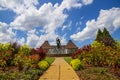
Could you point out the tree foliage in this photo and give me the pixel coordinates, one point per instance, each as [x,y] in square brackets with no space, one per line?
[105,37]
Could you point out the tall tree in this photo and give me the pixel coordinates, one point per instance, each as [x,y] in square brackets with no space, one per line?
[106,33]
[105,38]
[99,35]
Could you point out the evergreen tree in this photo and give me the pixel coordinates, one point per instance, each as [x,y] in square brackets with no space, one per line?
[105,38]
[99,35]
[106,33]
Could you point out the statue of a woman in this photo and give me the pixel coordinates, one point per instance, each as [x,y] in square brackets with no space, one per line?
[58,42]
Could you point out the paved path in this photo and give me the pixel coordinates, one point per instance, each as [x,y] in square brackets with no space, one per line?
[59,70]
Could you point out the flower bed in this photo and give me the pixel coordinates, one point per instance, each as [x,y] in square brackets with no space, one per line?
[21,62]
[98,55]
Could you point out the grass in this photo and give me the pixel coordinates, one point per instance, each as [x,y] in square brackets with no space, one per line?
[50,60]
[95,73]
[68,59]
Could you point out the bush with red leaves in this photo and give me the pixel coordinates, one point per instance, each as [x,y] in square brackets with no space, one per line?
[78,52]
[40,52]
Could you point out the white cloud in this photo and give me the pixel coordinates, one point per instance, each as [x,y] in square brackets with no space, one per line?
[36,41]
[78,29]
[87,2]
[48,16]
[20,41]
[6,33]
[18,6]
[67,26]
[32,38]
[68,4]
[107,18]
[63,40]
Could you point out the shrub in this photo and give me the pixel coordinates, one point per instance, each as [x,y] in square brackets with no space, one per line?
[15,46]
[76,64]
[79,52]
[43,65]
[5,55]
[96,73]
[30,74]
[99,55]
[41,53]
[35,58]
[22,61]
[118,62]
[25,49]
[97,44]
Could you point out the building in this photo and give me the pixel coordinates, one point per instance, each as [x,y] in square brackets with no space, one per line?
[64,49]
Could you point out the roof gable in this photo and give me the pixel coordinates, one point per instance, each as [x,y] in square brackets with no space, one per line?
[46,45]
[70,44]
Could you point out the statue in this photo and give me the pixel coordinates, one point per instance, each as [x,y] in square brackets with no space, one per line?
[58,42]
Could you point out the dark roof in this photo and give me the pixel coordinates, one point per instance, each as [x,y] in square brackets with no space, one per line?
[46,45]
[70,45]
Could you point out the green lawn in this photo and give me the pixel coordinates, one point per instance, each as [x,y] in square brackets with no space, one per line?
[50,60]
[68,59]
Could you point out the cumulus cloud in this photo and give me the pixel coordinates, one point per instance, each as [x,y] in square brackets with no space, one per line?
[18,6]
[87,2]
[107,18]
[70,3]
[48,16]
[6,33]
[21,41]
[32,38]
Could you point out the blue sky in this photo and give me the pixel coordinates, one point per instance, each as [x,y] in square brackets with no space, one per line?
[34,21]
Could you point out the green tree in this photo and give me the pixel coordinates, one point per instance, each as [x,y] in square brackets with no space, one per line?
[105,38]
[106,33]
[99,35]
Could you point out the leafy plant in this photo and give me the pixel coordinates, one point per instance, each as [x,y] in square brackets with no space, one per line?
[43,65]
[96,73]
[79,52]
[25,49]
[35,58]
[15,46]
[41,53]
[5,55]
[76,64]
[30,74]
[98,55]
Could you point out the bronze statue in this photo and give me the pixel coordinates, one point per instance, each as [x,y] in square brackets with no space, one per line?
[58,42]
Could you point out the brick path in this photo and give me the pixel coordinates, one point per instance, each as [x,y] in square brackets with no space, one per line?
[60,70]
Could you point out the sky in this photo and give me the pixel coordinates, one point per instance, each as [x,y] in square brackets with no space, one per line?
[32,22]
